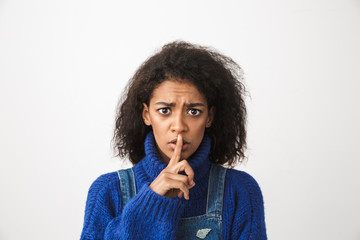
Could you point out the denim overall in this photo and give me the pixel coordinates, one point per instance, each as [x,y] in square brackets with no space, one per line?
[207,226]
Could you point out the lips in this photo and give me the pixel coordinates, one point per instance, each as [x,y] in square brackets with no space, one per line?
[173,142]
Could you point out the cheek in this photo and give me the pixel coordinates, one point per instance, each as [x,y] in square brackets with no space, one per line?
[160,133]
[199,127]
[198,133]
[159,126]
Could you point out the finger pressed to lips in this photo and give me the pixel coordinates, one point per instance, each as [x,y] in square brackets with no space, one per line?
[173,144]
[184,147]
[177,151]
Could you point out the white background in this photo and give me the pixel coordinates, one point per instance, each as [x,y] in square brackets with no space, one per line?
[63,66]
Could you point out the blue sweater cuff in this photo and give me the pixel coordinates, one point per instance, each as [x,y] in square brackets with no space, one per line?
[149,209]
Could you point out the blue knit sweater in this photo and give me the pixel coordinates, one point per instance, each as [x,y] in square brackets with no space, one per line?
[151,216]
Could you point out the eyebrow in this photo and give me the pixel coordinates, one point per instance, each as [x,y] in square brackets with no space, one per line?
[189,105]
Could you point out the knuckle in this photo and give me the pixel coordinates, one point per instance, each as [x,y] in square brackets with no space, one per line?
[185,162]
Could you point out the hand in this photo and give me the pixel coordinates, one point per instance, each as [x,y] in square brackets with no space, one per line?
[169,182]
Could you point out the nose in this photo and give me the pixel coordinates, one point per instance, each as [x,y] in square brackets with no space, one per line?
[179,124]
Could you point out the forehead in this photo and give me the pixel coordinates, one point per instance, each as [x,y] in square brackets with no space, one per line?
[174,91]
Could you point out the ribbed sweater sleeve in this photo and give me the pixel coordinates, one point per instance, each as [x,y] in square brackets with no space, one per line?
[147,215]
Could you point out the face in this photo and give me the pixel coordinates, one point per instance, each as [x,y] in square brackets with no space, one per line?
[177,107]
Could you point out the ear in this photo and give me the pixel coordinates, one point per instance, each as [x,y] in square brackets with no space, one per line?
[145,115]
[211,116]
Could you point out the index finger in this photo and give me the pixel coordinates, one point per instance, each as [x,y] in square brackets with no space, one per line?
[175,158]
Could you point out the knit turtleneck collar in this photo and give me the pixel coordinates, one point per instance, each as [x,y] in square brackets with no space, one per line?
[199,161]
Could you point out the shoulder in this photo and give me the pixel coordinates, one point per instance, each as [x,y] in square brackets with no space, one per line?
[104,196]
[104,181]
[105,189]
[242,183]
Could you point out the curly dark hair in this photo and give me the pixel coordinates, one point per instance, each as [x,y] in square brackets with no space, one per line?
[216,76]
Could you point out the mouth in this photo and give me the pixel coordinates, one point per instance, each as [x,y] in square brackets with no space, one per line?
[173,142]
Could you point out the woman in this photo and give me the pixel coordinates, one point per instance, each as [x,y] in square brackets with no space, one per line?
[182,117]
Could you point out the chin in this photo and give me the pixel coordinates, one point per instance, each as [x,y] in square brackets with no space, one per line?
[186,156]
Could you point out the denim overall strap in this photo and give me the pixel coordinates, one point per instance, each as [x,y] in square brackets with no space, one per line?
[209,225]
[215,191]
[127,185]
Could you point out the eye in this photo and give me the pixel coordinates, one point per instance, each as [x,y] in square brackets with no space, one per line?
[194,112]
[164,111]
